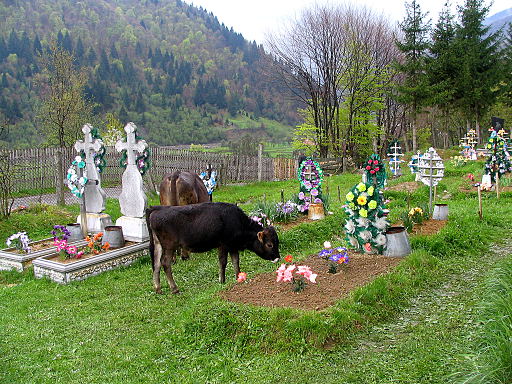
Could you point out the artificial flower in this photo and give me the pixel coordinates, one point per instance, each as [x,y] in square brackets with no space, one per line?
[314,192]
[367,247]
[306,271]
[380,239]
[242,276]
[362,222]
[365,235]
[361,200]
[301,195]
[350,196]
[380,223]
[317,201]
[284,273]
[353,241]
[288,258]
[327,244]
[361,187]
[372,204]
[352,206]
[350,227]
[363,212]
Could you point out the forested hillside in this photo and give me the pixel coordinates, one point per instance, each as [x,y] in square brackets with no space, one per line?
[173,69]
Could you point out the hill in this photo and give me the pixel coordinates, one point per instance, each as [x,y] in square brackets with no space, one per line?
[499,20]
[170,67]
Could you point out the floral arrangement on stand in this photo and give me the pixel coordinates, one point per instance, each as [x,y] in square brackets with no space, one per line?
[375,171]
[271,212]
[337,257]
[75,183]
[498,161]
[310,176]
[297,275]
[209,182]
[458,161]
[367,222]
[20,241]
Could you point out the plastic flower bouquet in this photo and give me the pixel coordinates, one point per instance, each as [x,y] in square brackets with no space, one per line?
[297,275]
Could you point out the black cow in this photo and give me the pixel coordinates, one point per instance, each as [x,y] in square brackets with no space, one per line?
[200,228]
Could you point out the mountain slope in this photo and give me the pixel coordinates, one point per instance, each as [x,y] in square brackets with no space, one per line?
[170,67]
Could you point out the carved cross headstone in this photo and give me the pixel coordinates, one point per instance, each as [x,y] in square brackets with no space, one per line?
[94,195]
[308,173]
[132,199]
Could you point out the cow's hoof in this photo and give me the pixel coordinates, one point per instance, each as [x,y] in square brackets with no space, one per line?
[176,291]
[185,257]
[158,291]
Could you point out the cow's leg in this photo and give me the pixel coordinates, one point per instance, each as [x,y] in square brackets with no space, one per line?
[235,259]
[168,257]
[157,263]
[223,260]
[185,255]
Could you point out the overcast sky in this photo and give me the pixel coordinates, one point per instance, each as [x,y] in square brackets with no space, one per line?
[254,18]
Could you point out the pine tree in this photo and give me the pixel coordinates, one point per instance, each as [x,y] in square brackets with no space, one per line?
[506,95]
[36,46]
[13,42]
[414,90]
[478,62]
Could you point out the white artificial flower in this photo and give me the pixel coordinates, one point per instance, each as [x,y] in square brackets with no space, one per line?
[78,159]
[381,223]
[350,227]
[353,242]
[365,235]
[380,239]
[327,244]
[362,222]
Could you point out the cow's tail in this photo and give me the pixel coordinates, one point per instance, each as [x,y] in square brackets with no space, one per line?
[172,187]
[151,241]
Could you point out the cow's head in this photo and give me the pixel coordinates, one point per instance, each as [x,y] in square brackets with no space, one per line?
[267,244]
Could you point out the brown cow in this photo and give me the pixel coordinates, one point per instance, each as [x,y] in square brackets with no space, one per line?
[182,188]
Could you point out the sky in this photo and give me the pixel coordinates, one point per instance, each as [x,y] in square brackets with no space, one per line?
[255,18]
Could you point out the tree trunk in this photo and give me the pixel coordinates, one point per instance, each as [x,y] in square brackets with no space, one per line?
[60,178]
[414,135]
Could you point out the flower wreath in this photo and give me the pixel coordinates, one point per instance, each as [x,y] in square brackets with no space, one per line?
[316,182]
[22,243]
[374,167]
[77,184]
[209,183]
[366,223]
[142,161]
[99,157]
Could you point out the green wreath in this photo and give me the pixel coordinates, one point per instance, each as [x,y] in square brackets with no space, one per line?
[142,161]
[375,171]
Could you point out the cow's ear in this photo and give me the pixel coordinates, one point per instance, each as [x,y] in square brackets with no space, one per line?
[260,236]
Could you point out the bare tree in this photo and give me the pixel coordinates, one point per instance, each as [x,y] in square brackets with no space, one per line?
[337,61]
[64,108]
[7,173]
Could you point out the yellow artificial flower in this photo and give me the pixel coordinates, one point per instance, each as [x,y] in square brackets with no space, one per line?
[370,191]
[363,212]
[350,196]
[352,206]
[361,200]
[372,204]
[361,187]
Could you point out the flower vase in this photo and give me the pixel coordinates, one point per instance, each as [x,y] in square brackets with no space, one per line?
[440,212]
[75,231]
[113,235]
[397,242]
[316,211]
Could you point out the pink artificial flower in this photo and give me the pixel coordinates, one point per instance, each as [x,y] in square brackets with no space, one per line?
[61,245]
[372,171]
[301,195]
[317,201]
[367,247]
[377,169]
[72,249]
[284,273]
[369,161]
[79,255]
[242,276]
[314,192]
[305,271]
[368,167]
[375,162]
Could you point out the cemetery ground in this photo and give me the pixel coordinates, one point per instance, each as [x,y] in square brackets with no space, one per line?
[426,321]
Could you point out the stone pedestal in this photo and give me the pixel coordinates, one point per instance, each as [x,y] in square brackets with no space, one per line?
[96,222]
[134,228]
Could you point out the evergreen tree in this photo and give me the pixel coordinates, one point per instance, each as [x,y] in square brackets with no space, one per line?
[79,50]
[25,49]
[3,49]
[37,47]
[478,62]
[104,67]
[91,57]
[414,44]
[13,42]
[5,82]
[113,52]
[442,63]
[506,95]
[67,43]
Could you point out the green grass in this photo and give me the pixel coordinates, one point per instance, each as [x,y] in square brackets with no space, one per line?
[113,328]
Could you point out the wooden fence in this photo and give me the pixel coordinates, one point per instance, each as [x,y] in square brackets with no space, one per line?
[36,168]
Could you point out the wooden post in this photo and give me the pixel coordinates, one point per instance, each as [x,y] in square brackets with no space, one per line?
[339,194]
[260,161]
[83,211]
[497,186]
[282,196]
[480,213]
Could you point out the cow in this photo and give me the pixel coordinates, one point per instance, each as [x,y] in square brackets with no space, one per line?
[203,227]
[182,188]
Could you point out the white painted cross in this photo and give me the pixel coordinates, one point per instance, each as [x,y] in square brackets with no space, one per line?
[308,173]
[89,146]
[131,145]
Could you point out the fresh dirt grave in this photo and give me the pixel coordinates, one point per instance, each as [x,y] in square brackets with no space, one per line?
[263,290]
[428,227]
[408,186]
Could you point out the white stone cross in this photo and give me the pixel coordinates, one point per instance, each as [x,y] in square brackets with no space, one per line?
[131,145]
[94,195]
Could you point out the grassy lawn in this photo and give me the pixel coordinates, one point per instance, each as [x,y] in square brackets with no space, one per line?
[414,325]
